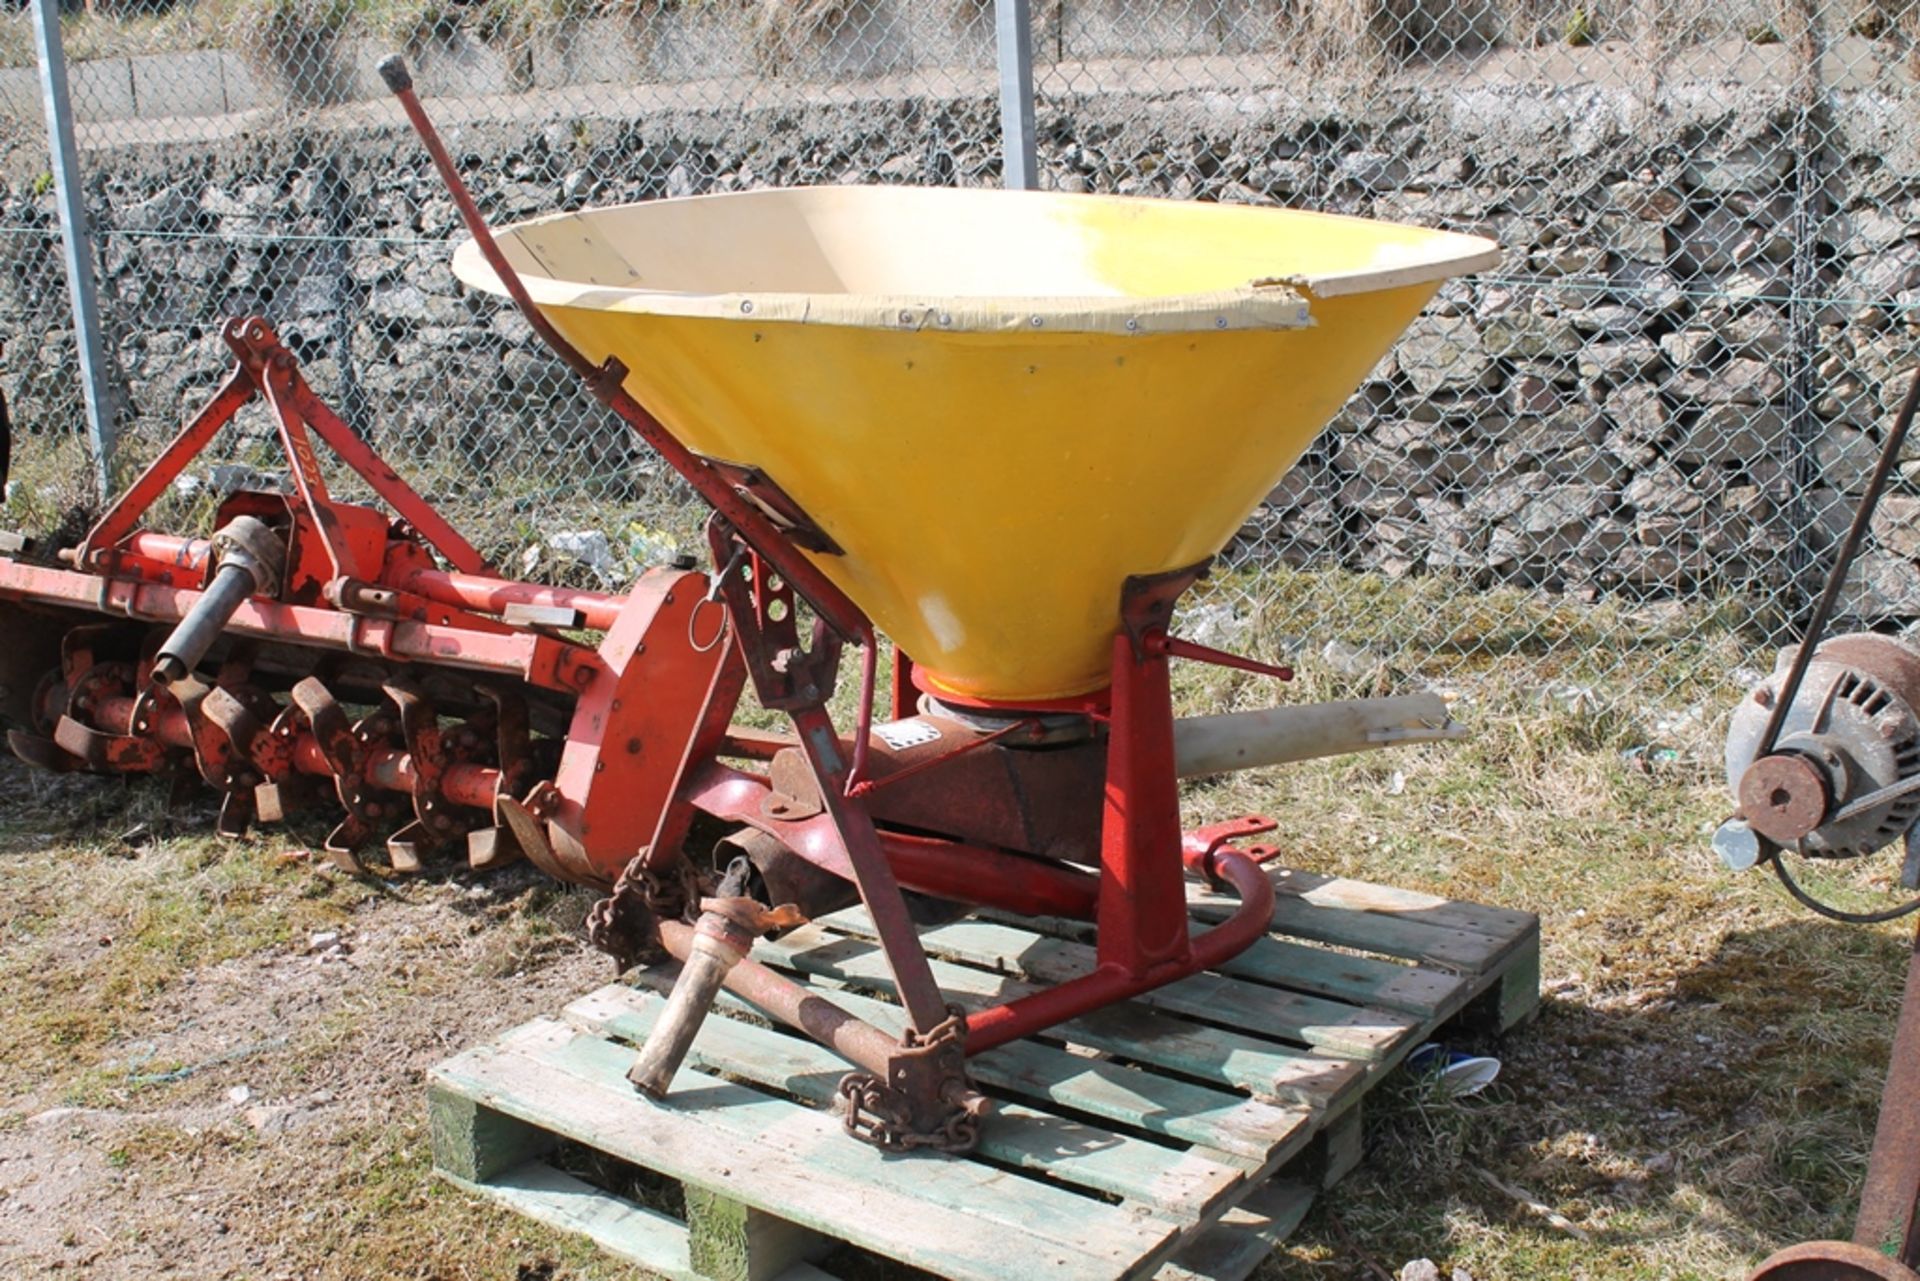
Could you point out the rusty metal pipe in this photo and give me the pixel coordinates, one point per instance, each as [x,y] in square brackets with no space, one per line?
[1890,1202]
[717,946]
[597,610]
[778,997]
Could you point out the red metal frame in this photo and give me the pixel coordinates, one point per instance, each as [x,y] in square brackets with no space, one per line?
[458,641]
[264,367]
[1141,934]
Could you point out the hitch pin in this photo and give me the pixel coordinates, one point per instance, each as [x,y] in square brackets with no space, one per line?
[720,579]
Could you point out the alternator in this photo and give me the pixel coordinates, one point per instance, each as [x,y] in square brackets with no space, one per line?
[1843,779]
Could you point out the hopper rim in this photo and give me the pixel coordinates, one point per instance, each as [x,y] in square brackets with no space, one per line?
[1277,302]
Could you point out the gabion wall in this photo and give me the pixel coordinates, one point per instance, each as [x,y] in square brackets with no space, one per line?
[1666,398]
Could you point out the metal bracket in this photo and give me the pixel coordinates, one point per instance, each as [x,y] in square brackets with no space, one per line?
[927,1099]
[773,502]
[1147,601]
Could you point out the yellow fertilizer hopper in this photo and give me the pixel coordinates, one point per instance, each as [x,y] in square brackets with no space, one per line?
[996,405]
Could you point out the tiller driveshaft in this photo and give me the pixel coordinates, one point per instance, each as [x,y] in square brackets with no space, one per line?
[313,652]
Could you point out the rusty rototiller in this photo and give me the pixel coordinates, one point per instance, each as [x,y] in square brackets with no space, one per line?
[1004,430]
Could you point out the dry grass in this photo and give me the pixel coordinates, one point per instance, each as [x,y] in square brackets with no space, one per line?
[1702,1081]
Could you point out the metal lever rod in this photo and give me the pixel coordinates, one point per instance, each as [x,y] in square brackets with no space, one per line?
[1843,562]
[1890,1202]
[828,601]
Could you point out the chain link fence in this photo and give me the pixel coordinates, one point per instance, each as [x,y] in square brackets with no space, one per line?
[1624,454]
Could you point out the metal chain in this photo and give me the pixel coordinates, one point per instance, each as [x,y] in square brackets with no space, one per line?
[878,1113]
[623,923]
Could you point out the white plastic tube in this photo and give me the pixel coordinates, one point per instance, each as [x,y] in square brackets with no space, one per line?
[1247,740]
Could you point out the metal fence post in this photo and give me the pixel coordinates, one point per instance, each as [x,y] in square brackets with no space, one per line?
[75,243]
[1013,39]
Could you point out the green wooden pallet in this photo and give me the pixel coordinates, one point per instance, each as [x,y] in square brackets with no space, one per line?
[1180,1135]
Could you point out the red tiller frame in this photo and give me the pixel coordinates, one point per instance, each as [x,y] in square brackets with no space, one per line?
[266,368]
[538,659]
[477,592]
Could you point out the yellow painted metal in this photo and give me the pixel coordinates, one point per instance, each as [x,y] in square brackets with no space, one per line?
[999,404]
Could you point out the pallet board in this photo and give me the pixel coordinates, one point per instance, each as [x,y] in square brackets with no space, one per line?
[1181,1135]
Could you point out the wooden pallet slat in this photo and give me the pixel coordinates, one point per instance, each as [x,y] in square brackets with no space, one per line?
[1245,1236]
[1394,900]
[1138,1140]
[1402,936]
[1363,980]
[797,1163]
[1379,918]
[653,1240]
[1339,1027]
[1385,981]
[988,1195]
[1245,1128]
[1286,1072]
[1180,1181]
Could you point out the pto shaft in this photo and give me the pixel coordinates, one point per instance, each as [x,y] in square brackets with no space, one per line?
[195,634]
[709,952]
[251,556]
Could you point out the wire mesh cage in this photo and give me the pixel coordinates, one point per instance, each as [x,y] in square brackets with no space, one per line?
[1629,448]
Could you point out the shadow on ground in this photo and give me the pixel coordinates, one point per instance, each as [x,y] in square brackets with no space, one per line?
[1719,1115]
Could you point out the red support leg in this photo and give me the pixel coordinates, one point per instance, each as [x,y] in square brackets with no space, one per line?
[1143,898]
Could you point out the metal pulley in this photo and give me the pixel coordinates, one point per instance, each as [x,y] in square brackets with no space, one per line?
[1843,778]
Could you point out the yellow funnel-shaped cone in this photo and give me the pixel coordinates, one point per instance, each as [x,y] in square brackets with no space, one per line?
[998,404]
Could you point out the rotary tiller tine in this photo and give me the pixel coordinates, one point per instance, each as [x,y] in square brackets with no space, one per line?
[342,843]
[433,826]
[406,846]
[530,833]
[501,844]
[236,814]
[341,748]
[283,790]
[493,847]
[42,753]
[107,753]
